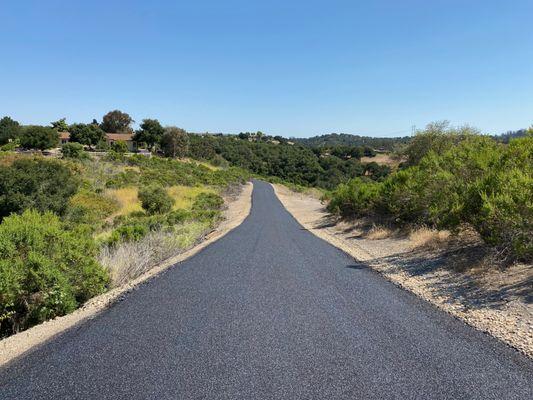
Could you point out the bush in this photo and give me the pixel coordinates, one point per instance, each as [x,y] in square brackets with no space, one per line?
[477,181]
[437,137]
[89,134]
[128,233]
[45,270]
[39,137]
[73,150]
[11,146]
[119,147]
[90,208]
[207,201]
[44,185]
[355,198]
[206,207]
[506,201]
[177,216]
[155,200]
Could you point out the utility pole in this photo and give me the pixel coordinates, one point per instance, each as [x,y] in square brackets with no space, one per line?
[413,130]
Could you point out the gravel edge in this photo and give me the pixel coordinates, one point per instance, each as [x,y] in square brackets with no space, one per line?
[490,322]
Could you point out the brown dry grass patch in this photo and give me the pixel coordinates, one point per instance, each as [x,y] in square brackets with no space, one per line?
[428,238]
[377,232]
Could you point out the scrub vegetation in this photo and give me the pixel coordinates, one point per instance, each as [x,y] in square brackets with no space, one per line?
[96,215]
[74,227]
[453,178]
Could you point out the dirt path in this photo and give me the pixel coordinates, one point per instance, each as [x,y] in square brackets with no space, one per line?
[238,208]
[493,301]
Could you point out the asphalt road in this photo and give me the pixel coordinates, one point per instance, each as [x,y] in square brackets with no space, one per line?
[270,312]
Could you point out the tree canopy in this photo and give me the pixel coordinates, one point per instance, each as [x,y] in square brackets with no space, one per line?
[116,121]
[60,125]
[175,142]
[43,185]
[150,132]
[39,137]
[88,134]
[9,130]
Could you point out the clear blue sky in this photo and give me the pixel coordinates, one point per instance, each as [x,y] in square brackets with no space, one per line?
[295,68]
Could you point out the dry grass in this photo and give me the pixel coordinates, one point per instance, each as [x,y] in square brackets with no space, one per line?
[129,260]
[184,196]
[383,159]
[378,232]
[429,238]
[127,199]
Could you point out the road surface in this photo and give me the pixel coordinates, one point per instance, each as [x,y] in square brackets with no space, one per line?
[270,312]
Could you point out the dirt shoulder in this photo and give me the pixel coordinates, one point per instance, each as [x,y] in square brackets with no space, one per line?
[446,271]
[238,205]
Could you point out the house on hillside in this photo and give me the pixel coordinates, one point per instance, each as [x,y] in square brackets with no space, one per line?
[64,137]
[127,138]
[110,138]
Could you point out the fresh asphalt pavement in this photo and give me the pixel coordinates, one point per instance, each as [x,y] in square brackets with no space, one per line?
[270,312]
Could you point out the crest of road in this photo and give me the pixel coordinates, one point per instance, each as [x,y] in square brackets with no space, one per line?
[270,312]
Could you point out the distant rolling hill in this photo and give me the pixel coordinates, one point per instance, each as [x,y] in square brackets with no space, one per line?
[345,139]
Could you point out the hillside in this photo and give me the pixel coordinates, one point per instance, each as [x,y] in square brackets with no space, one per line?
[73,228]
[345,139]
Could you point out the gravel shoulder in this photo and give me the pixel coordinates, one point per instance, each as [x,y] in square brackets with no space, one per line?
[238,207]
[446,274]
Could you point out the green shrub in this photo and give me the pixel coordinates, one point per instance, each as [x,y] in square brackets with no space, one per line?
[44,185]
[505,218]
[39,137]
[476,181]
[10,146]
[437,137]
[128,233]
[442,190]
[207,201]
[206,207]
[45,270]
[177,216]
[155,200]
[90,207]
[119,147]
[357,197]
[73,150]
[88,134]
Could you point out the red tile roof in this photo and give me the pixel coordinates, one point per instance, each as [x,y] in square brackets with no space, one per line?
[122,137]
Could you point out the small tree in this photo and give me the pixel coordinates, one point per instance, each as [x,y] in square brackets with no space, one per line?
[44,185]
[39,137]
[88,134]
[155,200]
[60,125]
[150,133]
[175,142]
[9,130]
[119,147]
[116,121]
[73,150]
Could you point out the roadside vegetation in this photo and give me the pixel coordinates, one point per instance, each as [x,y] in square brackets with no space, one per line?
[74,227]
[90,213]
[452,178]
